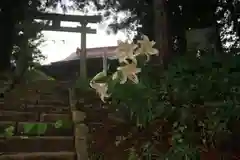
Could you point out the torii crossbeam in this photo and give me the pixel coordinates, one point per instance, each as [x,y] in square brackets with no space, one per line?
[56,20]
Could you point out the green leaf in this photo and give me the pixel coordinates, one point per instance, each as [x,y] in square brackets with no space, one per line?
[99,76]
[58,124]
[35,128]
[41,128]
[27,128]
[9,131]
[132,154]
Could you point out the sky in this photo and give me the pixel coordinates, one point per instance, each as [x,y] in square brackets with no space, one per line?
[59,45]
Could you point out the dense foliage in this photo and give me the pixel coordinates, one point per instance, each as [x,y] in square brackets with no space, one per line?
[202,97]
[196,97]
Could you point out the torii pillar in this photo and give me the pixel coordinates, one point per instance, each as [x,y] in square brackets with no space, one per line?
[83,54]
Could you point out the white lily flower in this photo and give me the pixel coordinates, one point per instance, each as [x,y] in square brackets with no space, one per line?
[101,89]
[125,51]
[146,48]
[129,71]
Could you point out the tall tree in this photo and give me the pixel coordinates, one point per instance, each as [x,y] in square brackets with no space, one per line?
[12,14]
[182,14]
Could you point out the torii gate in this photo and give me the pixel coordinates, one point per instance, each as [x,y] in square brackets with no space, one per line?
[83,29]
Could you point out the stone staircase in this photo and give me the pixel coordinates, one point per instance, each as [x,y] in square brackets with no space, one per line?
[37,104]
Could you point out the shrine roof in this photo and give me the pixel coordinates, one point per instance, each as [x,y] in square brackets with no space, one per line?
[93,53]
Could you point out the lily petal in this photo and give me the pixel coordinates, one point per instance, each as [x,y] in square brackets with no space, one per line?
[123,79]
[133,78]
[115,76]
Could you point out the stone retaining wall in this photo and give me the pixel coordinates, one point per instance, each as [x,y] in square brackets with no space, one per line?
[42,102]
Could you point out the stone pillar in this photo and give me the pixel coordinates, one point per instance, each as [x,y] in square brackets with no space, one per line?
[80,129]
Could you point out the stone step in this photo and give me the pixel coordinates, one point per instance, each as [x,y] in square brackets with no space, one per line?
[52,102]
[53,117]
[39,156]
[32,117]
[46,88]
[37,144]
[51,96]
[47,85]
[18,129]
[18,116]
[36,108]
[34,101]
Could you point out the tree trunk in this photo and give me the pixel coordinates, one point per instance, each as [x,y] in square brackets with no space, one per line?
[219,47]
[11,12]
[6,41]
[161,30]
